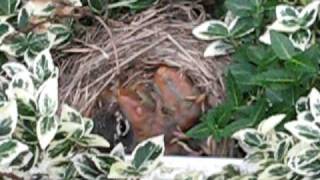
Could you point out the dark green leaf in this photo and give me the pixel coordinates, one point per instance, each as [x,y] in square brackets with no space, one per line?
[243,7]
[281,45]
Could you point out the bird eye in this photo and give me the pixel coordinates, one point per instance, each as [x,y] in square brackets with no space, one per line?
[123,127]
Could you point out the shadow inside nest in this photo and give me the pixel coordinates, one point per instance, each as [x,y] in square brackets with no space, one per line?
[121,58]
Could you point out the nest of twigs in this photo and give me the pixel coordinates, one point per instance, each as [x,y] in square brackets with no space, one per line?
[116,53]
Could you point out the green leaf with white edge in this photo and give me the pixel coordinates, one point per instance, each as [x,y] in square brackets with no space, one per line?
[13,68]
[97,6]
[304,131]
[47,97]
[40,8]
[22,81]
[287,26]
[270,123]
[86,166]
[118,151]
[147,154]
[218,48]
[309,14]
[38,42]
[240,27]
[251,140]
[243,8]
[275,172]
[8,7]
[43,66]
[211,30]
[23,18]
[282,149]
[286,12]
[9,150]
[301,39]
[62,34]
[60,149]
[123,170]
[5,30]
[15,45]
[305,162]
[72,122]
[8,120]
[46,130]
[281,45]
[104,162]
[314,103]
[93,140]
[25,102]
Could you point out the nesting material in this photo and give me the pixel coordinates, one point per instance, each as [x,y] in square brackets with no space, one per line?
[115,54]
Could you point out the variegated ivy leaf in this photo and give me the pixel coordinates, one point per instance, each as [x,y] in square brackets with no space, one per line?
[218,48]
[10,149]
[86,166]
[286,12]
[40,8]
[47,127]
[38,42]
[5,30]
[72,122]
[251,140]
[288,26]
[123,170]
[22,81]
[47,97]
[104,162]
[309,14]
[314,103]
[275,172]
[240,27]
[13,68]
[269,124]
[60,149]
[301,39]
[15,45]
[304,131]
[26,103]
[8,8]
[62,34]
[282,149]
[305,162]
[211,30]
[43,66]
[93,140]
[8,119]
[147,154]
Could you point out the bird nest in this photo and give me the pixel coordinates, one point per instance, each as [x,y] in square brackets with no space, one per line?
[117,54]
